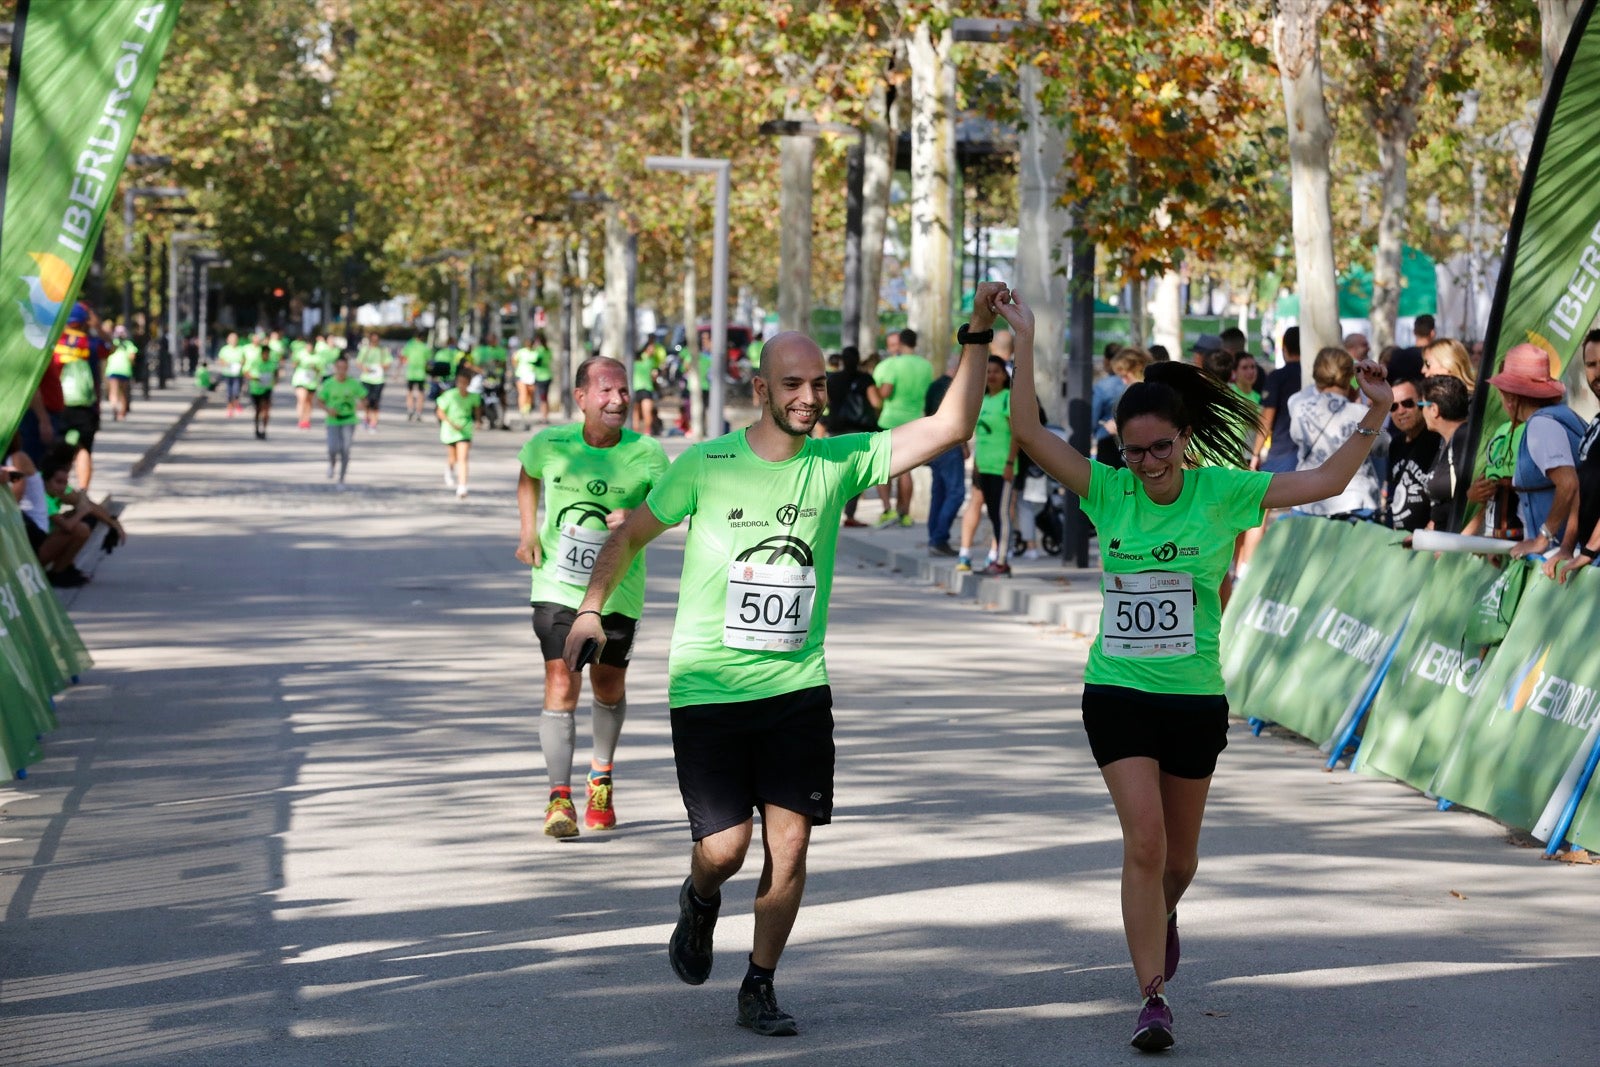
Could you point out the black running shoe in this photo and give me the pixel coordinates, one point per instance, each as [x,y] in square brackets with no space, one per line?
[68,577]
[759,1011]
[690,947]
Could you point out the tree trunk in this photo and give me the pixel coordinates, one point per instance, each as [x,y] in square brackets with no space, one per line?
[1138,310]
[1555,26]
[877,146]
[614,332]
[794,231]
[1295,28]
[1392,145]
[933,164]
[1168,330]
[1042,226]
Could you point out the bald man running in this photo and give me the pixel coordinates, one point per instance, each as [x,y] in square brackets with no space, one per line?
[752,714]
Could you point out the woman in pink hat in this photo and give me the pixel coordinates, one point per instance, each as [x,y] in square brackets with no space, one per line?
[1546,476]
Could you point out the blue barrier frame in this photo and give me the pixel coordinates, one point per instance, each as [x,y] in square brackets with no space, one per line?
[1558,836]
[1370,694]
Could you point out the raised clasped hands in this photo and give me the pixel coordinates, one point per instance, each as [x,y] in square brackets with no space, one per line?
[1018,315]
[986,304]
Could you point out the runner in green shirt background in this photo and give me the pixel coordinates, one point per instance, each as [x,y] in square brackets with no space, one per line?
[230,368]
[417,355]
[374,361]
[646,366]
[589,476]
[262,371]
[994,461]
[341,397]
[455,409]
[902,380]
[306,378]
[119,372]
[752,720]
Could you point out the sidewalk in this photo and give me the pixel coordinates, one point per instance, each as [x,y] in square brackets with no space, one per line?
[1043,590]
[126,451]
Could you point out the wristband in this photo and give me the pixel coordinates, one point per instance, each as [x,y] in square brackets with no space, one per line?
[581,614]
[1592,553]
[974,337]
[1544,532]
[1364,432]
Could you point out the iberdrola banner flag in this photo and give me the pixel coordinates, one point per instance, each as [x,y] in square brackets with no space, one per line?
[1549,290]
[80,74]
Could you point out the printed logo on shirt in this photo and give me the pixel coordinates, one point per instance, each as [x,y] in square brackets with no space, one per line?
[719,455]
[778,549]
[787,515]
[597,487]
[1165,553]
[735,513]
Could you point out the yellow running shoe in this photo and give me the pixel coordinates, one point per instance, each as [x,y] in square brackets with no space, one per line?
[599,814]
[560,817]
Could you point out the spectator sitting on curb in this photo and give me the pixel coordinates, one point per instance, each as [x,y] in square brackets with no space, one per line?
[73,514]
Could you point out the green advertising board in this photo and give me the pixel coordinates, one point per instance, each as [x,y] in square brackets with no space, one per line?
[1420,708]
[1536,710]
[1298,567]
[1366,596]
[79,77]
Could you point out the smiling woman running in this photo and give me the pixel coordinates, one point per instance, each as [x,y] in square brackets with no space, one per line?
[1153,701]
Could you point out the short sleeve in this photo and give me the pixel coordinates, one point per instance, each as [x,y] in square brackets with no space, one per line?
[532,457]
[866,458]
[655,462]
[674,496]
[1103,485]
[880,374]
[1548,444]
[1241,497]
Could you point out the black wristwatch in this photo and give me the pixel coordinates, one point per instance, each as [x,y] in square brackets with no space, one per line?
[969,337]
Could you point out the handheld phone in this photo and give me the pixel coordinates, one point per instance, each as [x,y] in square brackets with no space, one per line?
[586,653]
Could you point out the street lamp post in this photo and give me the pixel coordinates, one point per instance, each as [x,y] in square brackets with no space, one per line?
[719,168]
[174,243]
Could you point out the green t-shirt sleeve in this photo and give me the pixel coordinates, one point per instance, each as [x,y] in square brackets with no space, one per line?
[532,457]
[1104,483]
[1241,495]
[865,459]
[676,492]
[656,462]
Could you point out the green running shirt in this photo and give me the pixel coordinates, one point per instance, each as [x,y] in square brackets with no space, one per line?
[1192,536]
[991,448]
[763,516]
[581,484]
[458,408]
[910,375]
[341,399]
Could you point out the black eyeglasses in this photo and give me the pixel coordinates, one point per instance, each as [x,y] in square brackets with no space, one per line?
[1157,449]
[1398,404]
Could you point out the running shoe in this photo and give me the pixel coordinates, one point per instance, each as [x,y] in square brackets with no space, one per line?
[1172,947]
[598,814]
[853,522]
[907,520]
[941,548]
[689,950]
[759,1011]
[304,424]
[68,577]
[889,518]
[560,817]
[963,565]
[998,570]
[449,479]
[1032,553]
[461,491]
[1154,1032]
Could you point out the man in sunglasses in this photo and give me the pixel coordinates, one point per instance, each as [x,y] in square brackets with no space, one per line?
[1413,448]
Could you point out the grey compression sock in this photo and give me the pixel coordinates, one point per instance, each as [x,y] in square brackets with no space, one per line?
[607,728]
[558,736]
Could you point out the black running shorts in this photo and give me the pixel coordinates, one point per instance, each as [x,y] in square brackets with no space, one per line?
[261,400]
[416,385]
[1184,734]
[374,395]
[552,623]
[84,420]
[734,758]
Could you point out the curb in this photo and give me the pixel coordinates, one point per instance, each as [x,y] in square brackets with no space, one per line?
[1071,601]
[154,454]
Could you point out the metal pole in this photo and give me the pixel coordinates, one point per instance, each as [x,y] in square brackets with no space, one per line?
[173,351]
[719,306]
[202,298]
[127,258]
[1079,385]
[855,205]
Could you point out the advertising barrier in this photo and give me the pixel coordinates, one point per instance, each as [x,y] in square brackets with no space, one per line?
[1511,730]
[40,651]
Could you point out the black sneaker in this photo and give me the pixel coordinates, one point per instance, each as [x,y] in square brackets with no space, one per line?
[942,548]
[690,946]
[68,577]
[759,1011]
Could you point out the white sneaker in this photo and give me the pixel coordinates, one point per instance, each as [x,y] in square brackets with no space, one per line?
[1032,553]
[461,491]
[449,479]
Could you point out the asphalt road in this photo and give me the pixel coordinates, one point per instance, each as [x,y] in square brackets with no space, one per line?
[293,816]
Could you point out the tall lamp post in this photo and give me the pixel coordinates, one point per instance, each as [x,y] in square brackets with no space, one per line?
[719,168]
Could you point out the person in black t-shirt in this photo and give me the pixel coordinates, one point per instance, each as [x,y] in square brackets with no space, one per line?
[853,405]
[1412,450]
[1445,409]
[1275,449]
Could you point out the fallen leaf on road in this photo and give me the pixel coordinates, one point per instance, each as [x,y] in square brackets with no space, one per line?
[1458,896]
[1217,1014]
[1576,855]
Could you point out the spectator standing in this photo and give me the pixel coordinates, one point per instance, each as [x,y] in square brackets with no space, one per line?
[80,354]
[1412,451]
[1107,390]
[1445,405]
[949,468]
[853,404]
[1246,376]
[1546,471]
[1275,448]
[903,382]
[1582,548]
[1359,347]
[1320,425]
[1407,363]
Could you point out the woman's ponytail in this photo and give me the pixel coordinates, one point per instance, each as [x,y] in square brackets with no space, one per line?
[1223,421]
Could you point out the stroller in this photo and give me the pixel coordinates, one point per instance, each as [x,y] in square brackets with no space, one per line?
[494,398]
